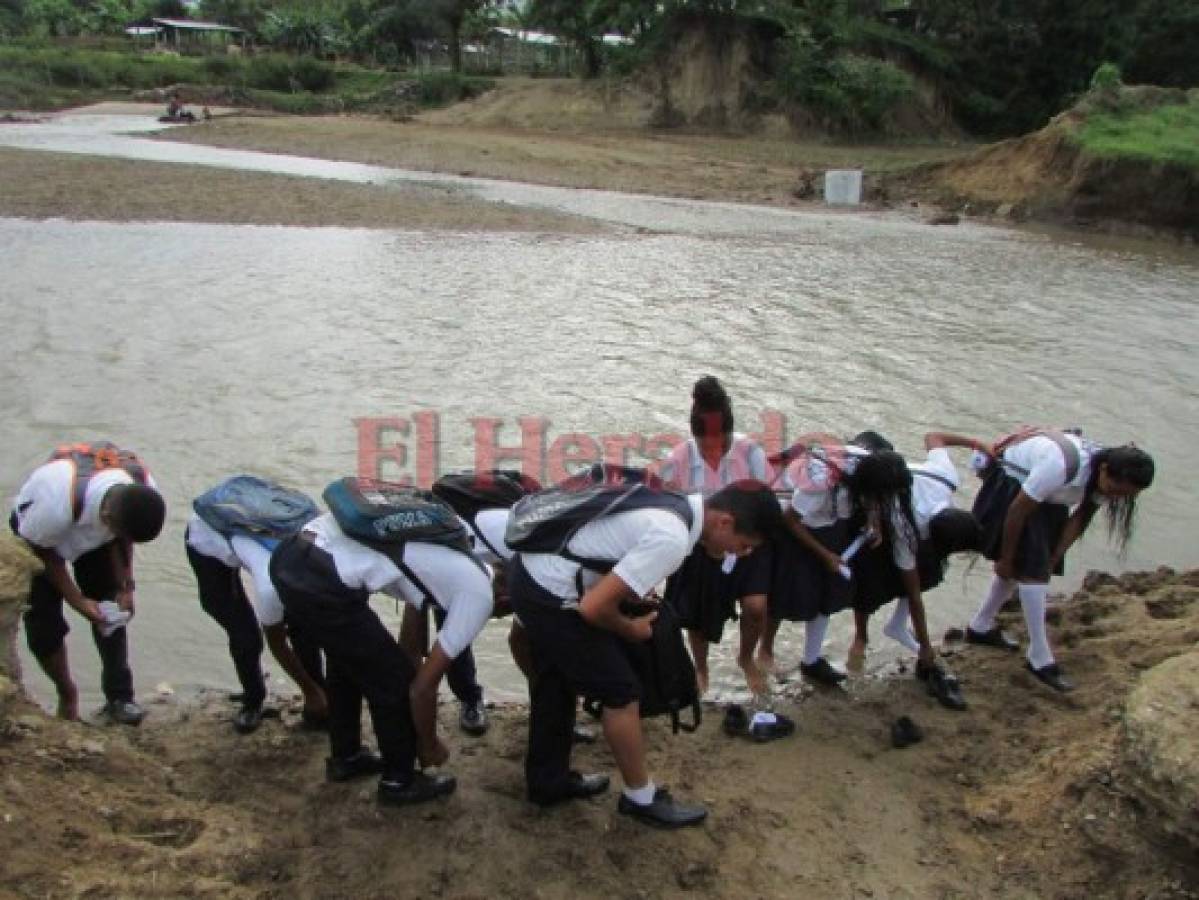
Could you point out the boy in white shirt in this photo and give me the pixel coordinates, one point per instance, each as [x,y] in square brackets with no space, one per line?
[573,618]
[86,507]
[324,579]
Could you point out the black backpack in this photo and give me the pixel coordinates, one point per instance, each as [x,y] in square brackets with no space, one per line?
[666,673]
[545,522]
[386,516]
[469,493]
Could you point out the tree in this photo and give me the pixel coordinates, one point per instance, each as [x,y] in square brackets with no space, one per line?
[582,22]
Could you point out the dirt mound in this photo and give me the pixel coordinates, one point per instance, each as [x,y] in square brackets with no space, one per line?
[1048,176]
[17,566]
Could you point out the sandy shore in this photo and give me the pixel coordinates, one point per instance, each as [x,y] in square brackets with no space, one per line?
[36,184]
[539,132]
[1028,794]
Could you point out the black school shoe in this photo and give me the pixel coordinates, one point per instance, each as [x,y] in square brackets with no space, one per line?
[1052,676]
[576,787]
[582,735]
[822,672]
[473,719]
[420,789]
[347,768]
[905,732]
[247,719]
[943,685]
[736,722]
[663,812]
[996,637]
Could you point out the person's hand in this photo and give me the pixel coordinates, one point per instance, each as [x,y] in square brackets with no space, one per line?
[1005,568]
[640,629]
[125,602]
[833,563]
[432,753]
[90,610]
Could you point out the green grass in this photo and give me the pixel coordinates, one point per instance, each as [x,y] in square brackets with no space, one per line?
[1167,134]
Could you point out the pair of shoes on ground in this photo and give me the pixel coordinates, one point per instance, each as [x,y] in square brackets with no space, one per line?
[905,732]
[473,718]
[759,728]
[247,720]
[942,684]
[576,787]
[663,811]
[124,712]
[822,672]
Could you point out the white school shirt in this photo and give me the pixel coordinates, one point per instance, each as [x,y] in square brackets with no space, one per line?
[45,510]
[649,544]
[1042,469]
[686,466]
[930,495]
[240,552]
[459,585]
[492,524]
[821,500]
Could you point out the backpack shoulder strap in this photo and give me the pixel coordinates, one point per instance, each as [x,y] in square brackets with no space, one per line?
[934,476]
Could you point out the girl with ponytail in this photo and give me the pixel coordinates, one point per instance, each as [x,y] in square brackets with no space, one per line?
[1041,490]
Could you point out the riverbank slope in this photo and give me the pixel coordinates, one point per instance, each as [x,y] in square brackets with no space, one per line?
[1028,794]
[1122,159]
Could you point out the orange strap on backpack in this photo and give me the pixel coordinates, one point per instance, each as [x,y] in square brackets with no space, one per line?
[97,456]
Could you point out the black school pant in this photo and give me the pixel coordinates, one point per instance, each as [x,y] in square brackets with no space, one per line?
[223,597]
[46,625]
[363,660]
[570,658]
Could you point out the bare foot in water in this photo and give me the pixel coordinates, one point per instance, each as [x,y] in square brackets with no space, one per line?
[755,677]
[856,661]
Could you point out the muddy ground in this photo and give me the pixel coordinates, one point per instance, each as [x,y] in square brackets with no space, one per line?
[1028,794]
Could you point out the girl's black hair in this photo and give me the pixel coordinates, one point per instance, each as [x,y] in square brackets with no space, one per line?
[711,409]
[955,531]
[872,441]
[753,506]
[882,482]
[1129,465]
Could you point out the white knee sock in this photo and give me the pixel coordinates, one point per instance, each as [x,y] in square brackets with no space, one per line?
[1032,599]
[1000,592]
[813,641]
[897,629]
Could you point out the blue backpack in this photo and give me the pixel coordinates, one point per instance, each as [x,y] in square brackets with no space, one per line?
[255,508]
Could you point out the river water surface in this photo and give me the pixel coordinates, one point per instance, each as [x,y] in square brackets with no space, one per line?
[216,349]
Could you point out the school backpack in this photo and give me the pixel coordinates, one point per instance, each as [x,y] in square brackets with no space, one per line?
[92,457]
[666,673]
[1069,450]
[386,516]
[256,508]
[545,522]
[469,493]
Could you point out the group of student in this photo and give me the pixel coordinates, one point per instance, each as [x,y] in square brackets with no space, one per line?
[824,526]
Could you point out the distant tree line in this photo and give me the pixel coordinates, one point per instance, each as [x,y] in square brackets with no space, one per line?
[1005,66]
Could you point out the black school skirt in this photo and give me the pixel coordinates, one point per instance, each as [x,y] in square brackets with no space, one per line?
[1042,529]
[802,588]
[877,580]
[705,596]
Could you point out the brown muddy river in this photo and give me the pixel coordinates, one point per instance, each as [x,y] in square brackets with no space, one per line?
[220,349]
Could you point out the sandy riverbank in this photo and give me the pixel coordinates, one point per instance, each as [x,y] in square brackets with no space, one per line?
[513,135]
[1028,794]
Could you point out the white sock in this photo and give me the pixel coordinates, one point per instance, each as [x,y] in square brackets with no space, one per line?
[1000,592]
[1032,599]
[642,796]
[813,639]
[897,629]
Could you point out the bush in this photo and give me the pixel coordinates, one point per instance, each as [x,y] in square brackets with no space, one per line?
[312,74]
[1106,77]
[444,88]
